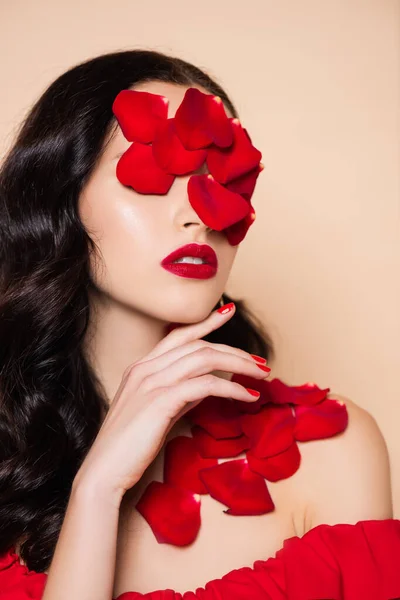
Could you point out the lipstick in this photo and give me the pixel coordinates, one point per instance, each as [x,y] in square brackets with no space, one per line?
[208,268]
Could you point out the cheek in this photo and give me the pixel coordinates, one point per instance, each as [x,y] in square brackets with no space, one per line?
[122,224]
[226,254]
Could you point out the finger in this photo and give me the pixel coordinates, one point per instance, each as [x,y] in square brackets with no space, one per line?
[193,331]
[163,361]
[180,398]
[202,361]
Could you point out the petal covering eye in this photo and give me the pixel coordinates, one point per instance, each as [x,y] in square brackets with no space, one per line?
[139,113]
[200,134]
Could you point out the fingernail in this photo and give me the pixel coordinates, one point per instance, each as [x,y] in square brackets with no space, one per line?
[264,368]
[253,392]
[259,358]
[226,308]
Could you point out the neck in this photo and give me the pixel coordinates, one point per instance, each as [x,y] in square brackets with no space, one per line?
[118,336]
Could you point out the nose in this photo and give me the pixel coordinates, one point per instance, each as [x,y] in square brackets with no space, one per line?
[184,214]
[198,225]
[193,221]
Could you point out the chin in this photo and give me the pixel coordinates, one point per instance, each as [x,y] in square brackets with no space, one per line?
[187,313]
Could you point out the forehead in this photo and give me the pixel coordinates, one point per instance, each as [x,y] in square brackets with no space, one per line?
[173,92]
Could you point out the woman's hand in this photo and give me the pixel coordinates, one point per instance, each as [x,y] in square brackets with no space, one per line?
[155,392]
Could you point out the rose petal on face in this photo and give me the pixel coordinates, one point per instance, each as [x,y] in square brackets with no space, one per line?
[139,113]
[137,169]
[261,385]
[270,431]
[173,513]
[236,233]
[227,164]
[171,155]
[306,394]
[245,184]
[232,483]
[218,416]
[208,447]
[182,463]
[201,120]
[319,421]
[275,468]
[216,206]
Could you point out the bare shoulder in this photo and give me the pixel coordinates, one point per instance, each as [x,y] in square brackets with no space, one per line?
[345,478]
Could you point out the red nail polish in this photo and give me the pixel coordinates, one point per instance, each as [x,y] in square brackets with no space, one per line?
[253,392]
[226,308]
[264,368]
[259,358]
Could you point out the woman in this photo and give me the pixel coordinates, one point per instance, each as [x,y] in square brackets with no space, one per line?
[142,446]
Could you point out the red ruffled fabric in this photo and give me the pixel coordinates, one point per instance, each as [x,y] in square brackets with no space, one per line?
[329,562]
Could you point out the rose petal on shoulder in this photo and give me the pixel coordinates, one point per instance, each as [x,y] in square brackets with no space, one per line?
[216,206]
[218,416]
[325,419]
[173,513]
[270,431]
[171,155]
[261,385]
[280,466]
[232,483]
[306,394]
[182,463]
[139,113]
[137,169]
[201,120]
[209,447]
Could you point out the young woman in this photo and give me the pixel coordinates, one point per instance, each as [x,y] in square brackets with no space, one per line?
[144,451]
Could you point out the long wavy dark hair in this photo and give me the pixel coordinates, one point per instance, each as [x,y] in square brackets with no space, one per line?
[51,408]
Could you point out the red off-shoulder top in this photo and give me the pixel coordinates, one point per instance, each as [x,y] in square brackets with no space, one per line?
[329,562]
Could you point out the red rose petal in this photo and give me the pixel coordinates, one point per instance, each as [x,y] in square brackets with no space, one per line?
[245,184]
[232,483]
[218,416]
[201,120]
[173,513]
[209,447]
[216,206]
[275,468]
[171,155]
[137,169]
[261,385]
[270,430]
[139,114]
[182,463]
[226,164]
[306,394]
[236,233]
[319,421]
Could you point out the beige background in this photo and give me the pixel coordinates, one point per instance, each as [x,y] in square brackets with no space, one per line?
[317,85]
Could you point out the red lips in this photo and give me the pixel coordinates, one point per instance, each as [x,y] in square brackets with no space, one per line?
[201,271]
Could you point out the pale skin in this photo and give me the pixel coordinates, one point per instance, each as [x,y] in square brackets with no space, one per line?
[105,546]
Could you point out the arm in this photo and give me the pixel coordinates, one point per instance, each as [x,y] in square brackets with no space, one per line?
[83,565]
[153,394]
[346,478]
